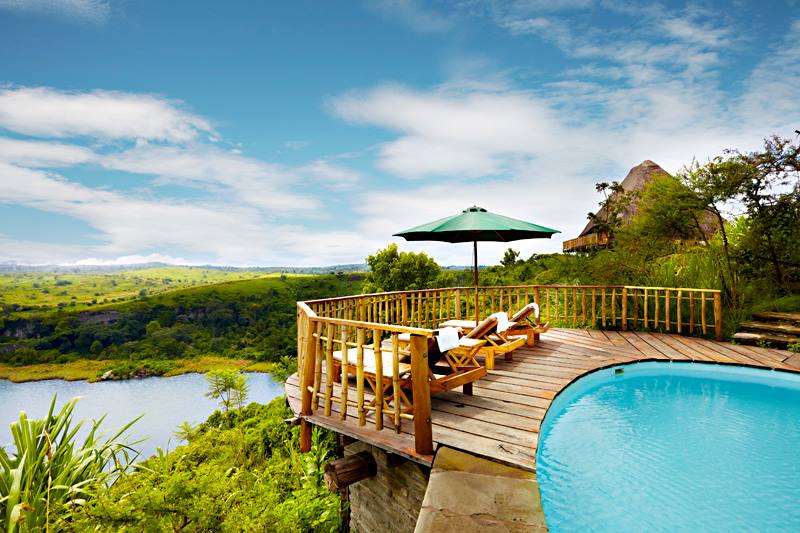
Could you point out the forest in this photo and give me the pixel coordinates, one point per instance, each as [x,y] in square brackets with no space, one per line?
[248,319]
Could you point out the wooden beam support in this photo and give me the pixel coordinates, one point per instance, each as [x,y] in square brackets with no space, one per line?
[423,431]
[307,378]
[343,472]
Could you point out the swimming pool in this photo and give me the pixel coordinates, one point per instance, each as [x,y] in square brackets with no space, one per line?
[673,447]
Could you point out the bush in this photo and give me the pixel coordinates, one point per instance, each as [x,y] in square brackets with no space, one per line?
[240,471]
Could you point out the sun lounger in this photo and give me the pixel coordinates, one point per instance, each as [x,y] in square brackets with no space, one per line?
[524,322]
[495,342]
[461,369]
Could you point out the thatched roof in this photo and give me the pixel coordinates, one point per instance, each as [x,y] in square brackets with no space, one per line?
[636,180]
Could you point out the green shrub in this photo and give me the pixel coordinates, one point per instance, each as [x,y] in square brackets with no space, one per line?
[210,485]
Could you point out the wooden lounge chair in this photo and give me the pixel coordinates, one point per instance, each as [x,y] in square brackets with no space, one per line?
[461,370]
[494,343]
[527,322]
[523,322]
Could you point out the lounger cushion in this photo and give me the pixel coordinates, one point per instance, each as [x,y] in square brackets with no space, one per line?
[369,361]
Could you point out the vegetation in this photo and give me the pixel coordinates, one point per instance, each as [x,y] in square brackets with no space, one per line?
[240,471]
[47,291]
[251,319]
[92,370]
[229,387]
[393,270]
[50,473]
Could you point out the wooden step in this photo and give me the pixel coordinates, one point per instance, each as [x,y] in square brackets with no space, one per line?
[771,327]
[775,340]
[775,316]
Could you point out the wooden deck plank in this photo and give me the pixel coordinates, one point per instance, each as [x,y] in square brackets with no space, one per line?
[501,420]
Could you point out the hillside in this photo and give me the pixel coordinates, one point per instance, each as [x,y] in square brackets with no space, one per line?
[251,319]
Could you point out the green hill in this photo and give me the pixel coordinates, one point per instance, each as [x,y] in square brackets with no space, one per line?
[251,319]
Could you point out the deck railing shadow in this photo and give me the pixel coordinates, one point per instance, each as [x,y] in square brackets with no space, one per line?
[393,384]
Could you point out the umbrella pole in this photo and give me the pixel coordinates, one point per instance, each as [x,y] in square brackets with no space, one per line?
[475,256]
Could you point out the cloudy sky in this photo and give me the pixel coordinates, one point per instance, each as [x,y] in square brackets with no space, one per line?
[306,133]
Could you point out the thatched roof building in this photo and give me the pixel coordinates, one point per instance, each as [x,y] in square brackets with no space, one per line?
[635,182]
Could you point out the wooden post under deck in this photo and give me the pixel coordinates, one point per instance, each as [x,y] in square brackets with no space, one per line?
[309,364]
[423,432]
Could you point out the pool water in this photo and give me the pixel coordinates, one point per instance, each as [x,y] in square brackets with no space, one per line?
[673,447]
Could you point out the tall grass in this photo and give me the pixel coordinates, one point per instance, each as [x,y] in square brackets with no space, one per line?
[50,471]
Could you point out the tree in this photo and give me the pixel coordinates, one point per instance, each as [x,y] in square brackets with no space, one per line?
[510,258]
[393,270]
[229,387]
[96,347]
[769,188]
[615,202]
[152,327]
[767,185]
[715,184]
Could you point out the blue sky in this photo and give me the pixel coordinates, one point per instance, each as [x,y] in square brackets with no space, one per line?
[306,133]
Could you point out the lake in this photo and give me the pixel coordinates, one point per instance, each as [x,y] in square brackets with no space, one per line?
[164,402]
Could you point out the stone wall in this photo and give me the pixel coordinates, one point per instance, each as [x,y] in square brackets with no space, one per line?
[390,501]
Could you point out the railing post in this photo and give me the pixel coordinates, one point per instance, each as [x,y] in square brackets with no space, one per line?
[718,315]
[404,304]
[624,308]
[423,435]
[458,304]
[307,377]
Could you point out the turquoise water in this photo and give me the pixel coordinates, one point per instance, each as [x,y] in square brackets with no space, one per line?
[673,447]
[164,402]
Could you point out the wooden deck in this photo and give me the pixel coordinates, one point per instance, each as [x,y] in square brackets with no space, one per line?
[501,419]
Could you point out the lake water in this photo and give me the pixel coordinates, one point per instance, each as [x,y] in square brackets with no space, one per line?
[164,402]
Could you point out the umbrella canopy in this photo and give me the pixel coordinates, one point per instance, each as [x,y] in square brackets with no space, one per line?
[476,224]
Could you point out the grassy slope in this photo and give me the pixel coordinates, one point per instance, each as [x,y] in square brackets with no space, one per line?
[90,369]
[39,288]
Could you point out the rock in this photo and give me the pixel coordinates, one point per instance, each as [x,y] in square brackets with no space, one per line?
[141,373]
[109,374]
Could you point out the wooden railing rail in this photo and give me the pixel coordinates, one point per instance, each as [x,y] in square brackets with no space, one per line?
[673,310]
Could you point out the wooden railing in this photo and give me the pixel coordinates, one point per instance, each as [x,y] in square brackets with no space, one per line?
[387,396]
[670,310]
[364,321]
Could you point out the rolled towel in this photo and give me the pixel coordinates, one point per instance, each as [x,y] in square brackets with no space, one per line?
[502,321]
[535,309]
[447,339]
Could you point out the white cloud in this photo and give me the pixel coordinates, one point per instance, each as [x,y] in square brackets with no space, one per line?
[42,154]
[95,11]
[453,132]
[412,13]
[252,182]
[296,145]
[105,115]
[331,176]
[135,259]
[772,88]
[703,34]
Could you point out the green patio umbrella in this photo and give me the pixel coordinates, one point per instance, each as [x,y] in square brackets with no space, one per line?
[476,224]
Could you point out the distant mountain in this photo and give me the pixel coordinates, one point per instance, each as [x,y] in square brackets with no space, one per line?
[10,267]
